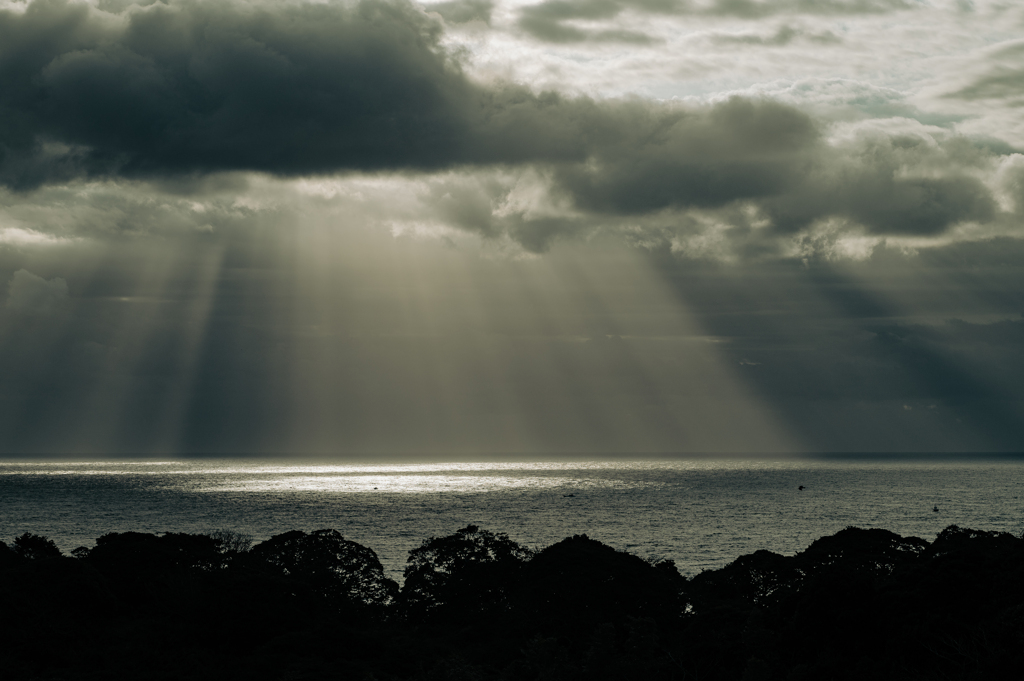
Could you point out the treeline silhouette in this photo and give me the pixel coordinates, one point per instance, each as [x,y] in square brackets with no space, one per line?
[859,604]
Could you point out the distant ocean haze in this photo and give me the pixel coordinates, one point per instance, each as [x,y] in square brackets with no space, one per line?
[701,513]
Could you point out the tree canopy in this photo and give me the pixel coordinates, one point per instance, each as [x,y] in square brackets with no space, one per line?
[861,603]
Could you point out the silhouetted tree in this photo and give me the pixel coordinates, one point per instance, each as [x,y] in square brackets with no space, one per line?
[332,566]
[144,554]
[461,575]
[875,552]
[969,593]
[35,547]
[230,542]
[578,583]
[8,557]
[759,578]
[955,538]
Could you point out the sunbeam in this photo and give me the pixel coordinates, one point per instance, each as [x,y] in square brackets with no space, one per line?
[862,356]
[335,227]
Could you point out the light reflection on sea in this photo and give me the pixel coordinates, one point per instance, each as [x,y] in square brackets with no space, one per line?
[700,513]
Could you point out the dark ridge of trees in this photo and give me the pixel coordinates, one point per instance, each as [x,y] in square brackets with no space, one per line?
[477,605]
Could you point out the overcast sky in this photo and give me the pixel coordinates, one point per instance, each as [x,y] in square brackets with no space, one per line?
[476,228]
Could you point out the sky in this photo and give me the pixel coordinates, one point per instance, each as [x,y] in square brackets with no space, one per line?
[487,227]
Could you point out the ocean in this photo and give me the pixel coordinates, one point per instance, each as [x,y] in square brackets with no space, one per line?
[701,513]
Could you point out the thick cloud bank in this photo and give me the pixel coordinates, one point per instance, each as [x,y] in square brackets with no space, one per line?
[191,87]
[186,89]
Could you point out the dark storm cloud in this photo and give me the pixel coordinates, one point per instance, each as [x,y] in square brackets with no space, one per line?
[774,155]
[294,89]
[748,161]
[176,93]
[919,206]
[735,150]
[545,20]
[191,87]
[884,204]
[207,86]
[868,184]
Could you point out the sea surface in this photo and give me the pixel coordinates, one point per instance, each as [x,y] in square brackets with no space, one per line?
[701,513]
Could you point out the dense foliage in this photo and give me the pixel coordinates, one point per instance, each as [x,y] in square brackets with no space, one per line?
[476,605]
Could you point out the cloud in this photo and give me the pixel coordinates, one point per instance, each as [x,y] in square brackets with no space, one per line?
[895,178]
[547,20]
[1011,179]
[783,36]
[743,178]
[747,179]
[16,236]
[777,159]
[1003,77]
[844,99]
[761,8]
[30,294]
[986,88]
[463,11]
[736,150]
[187,97]
[184,88]
[189,87]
